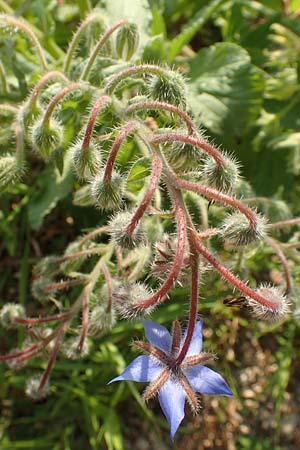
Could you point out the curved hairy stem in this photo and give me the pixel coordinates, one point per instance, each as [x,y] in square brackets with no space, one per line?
[196,142]
[57,98]
[219,196]
[93,17]
[14,22]
[164,106]
[143,69]
[89,64]
[232,279]
[92,119]
[42,82]
[125,131]
[154,180]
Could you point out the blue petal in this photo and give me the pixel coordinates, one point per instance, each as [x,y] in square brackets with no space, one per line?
[172,398]
[196,342]
[142,368]
[207,381]
[158,335]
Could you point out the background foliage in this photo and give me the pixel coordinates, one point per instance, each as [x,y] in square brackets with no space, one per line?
[241,61]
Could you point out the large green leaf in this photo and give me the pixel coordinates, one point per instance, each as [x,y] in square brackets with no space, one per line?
[225,89]
[192,27]
[50,187]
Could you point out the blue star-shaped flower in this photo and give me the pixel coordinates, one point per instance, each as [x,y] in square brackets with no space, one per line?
[174,382]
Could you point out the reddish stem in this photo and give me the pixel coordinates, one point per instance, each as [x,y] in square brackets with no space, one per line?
[108,282]
[53,356]
[41,83]
[193,309]
[154,180]
[216,195]
[180,216]
[84,322]
[226,273]
[285,223]
[173,137]
[62,285]
[143,69]
[125,131]
[38,320]
[92,119]
[165,106]
[56,99]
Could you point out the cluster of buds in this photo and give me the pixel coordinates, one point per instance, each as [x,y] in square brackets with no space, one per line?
[142,107]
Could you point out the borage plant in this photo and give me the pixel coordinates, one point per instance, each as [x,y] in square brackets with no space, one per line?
[144,200]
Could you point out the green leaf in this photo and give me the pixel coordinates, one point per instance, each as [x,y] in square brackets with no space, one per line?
[226,90]
[50,187]
[139,170]
[192,27]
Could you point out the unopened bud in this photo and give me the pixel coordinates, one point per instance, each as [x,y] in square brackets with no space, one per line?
[73,264]
[184,156]
[40,291]
[108,194]
[237,230]
[46,137]
[10,171]
[120,234]
[86,162]
[169,88]
[32,388]
[46,267]
[9,312]
[83,196]
[280,305]
[127,41]
[71,350]
[224,177]
[101,321]
[16,363]
[127,300]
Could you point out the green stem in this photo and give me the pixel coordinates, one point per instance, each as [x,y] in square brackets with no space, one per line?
[90,19]
[56,99]
[3,79]
[135,70]
[41,83]
[87,69]
[17,23]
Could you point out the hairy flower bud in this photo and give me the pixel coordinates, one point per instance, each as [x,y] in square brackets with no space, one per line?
[236,229]
[46,137]
[16,363]
[108,194]
[223,178]
[127,298]
[32,388]
[10,171]
[9,312]
[154,229]
[40,291]
[274,294]
[73,264]
[70,348]
[169,88]
[86,162]
[184,156]
[46,267]
[101,321]
[120,234]
[127,41]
